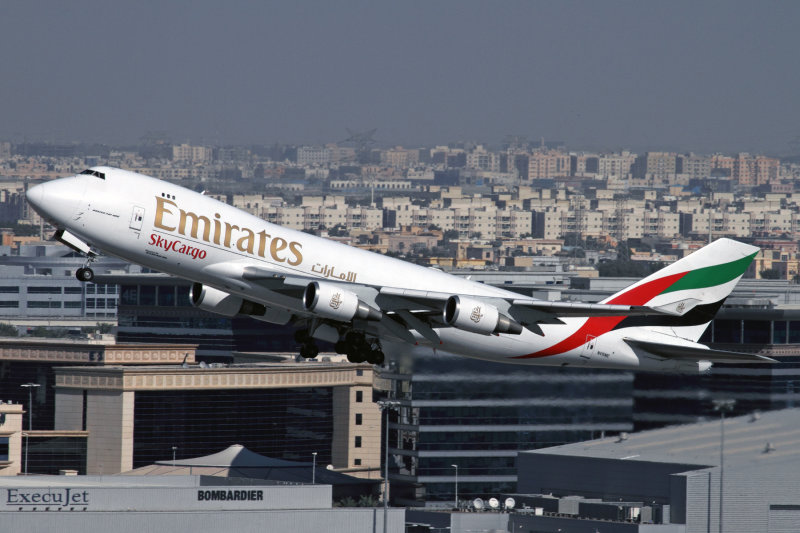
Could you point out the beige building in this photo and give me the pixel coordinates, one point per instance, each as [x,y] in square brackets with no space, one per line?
[548,164]
[104,399]
[10,439]
[192,154]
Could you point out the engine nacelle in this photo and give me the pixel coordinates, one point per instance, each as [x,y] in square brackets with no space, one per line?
[329,300]
[477,316]
[223,303]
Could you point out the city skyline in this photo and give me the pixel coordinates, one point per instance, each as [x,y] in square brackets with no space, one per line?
[675,76]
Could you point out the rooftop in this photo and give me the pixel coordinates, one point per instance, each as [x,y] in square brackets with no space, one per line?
[752,440]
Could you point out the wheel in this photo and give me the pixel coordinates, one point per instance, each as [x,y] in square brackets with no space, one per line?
[375,357]
[309,350]
[84,274]
[356,356]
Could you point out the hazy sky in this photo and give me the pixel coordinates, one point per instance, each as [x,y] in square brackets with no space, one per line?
[708,76]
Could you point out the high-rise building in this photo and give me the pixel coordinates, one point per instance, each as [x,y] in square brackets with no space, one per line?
[478,415]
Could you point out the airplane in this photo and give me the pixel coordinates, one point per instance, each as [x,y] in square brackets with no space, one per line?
[370,305]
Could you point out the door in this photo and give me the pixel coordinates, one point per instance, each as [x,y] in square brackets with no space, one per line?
[590,347]
[137,216]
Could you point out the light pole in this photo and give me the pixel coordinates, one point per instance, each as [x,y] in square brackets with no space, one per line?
[30,387]
[456,498]
[722,406]
[386,406]
[174,450]
[313,468]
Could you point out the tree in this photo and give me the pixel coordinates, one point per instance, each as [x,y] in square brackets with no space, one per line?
[770,273]
[7,330]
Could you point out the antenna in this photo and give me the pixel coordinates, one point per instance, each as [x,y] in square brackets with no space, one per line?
[493,503]
[510,503]
[477,503]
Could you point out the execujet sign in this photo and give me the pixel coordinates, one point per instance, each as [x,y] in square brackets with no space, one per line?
[54,497]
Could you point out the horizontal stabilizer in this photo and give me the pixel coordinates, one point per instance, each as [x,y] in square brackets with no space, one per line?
[692,353]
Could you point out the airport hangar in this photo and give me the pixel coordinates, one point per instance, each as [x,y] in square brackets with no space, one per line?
[675,473]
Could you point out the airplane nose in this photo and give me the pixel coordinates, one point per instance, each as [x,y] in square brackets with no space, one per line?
[35,196]
[57,200]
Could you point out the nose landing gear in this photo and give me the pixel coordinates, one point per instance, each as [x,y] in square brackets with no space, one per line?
[84,274]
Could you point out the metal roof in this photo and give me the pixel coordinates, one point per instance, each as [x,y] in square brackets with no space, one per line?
[759,439]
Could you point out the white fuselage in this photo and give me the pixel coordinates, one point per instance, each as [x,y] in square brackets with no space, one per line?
[175,230]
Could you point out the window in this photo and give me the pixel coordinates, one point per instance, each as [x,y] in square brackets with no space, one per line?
[73,290]
[9,290]
[166,296]
[7,304]
[147,295]
[44,290]
[3,448]
[779,332]
[358,441]
[94,173]
[44,305]
[357,462]
[359,396]
[72,305]
[359,419]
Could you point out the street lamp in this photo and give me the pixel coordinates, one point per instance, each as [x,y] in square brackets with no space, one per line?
[722,406]
[174,450]
[30,387]
[456,498]
[313,468]
[386,406]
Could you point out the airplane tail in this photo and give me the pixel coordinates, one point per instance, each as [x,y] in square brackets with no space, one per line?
[689,291]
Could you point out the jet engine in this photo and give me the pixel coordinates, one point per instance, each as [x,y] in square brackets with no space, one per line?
[478,316]
[329,300]
[223,303]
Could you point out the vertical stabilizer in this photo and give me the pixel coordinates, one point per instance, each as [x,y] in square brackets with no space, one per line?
[693,289]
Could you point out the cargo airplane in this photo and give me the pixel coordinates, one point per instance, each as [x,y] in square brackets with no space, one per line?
[369,304]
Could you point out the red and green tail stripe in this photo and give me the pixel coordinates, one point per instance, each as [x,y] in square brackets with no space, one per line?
[700,278]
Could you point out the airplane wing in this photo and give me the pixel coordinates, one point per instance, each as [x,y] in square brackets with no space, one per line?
[422,310]
[691,353]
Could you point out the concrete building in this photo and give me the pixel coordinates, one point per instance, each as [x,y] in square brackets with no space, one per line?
[313,155]
[38,287]
[478,415]
[134,415]
[672,478]
[187,153]
[10,438]
[187,503]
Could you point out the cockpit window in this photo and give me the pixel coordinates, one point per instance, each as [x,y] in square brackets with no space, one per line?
[94,173]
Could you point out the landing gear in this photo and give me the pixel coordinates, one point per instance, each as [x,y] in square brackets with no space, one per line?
[308,348]
[84,274]
[359,349]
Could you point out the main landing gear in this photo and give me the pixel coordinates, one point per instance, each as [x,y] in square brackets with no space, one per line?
[308,348]
[359,349]
[355,345]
